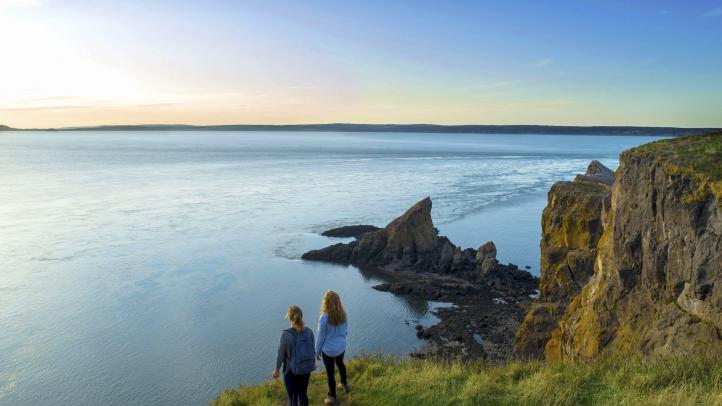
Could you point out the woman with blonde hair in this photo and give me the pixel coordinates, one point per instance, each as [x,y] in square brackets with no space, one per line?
[331,342]
[295,353]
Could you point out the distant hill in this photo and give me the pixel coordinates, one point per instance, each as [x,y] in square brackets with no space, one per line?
[401,128]
[5,128]
[408,128]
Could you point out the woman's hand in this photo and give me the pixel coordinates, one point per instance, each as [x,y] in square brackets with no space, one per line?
[276,373]
[318,358]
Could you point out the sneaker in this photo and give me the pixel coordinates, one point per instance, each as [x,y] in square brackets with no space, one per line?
[345,388]
[330,400]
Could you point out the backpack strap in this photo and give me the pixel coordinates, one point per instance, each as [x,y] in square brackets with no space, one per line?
[293,334]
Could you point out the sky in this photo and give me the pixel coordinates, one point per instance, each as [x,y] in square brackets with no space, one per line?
[67,63]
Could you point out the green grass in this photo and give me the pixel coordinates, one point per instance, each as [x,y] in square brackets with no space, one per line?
[697,156]
[388,381]
[699,153]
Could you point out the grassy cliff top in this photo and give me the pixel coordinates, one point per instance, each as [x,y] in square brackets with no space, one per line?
[386,381]
[698,156]
[701,154]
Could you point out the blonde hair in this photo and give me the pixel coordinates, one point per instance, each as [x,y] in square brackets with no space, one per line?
[331,305]
[295,316]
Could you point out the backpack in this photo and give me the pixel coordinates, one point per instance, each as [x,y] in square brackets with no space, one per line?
[303,354]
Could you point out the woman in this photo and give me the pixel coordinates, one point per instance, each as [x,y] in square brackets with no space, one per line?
[331,342]
[295,353]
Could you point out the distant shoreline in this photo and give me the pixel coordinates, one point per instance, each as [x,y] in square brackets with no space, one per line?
[398,128]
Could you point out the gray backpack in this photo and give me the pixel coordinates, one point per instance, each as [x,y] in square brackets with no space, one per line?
[303,354]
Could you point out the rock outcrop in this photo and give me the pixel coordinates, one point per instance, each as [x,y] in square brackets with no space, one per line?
[486,257]
[411,243]
[597,172]
[571,228]
[657,282]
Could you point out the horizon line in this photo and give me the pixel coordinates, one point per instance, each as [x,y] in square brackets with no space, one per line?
[110,127]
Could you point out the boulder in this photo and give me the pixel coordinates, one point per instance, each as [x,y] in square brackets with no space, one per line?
[486,257]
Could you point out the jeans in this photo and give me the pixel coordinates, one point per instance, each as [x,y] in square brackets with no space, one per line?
[329,362]
[297,388]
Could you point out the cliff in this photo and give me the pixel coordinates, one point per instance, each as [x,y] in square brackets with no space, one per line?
[656,287]
[571,228]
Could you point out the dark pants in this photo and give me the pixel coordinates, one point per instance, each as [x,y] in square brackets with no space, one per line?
[297,387]
[329,362]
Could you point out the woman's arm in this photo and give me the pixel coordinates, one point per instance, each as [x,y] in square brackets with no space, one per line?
[281,355]
[321,334]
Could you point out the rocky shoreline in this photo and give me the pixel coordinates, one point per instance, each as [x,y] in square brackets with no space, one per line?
[481,321]
[488,299]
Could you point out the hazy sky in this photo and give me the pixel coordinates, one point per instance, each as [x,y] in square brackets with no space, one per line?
[606,62]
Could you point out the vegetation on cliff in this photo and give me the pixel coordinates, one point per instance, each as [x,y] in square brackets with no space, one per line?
[699,156]
[387,381]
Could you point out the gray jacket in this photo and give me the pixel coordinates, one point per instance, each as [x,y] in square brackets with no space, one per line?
[285,348]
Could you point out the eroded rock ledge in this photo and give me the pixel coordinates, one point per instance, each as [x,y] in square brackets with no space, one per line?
[490,298]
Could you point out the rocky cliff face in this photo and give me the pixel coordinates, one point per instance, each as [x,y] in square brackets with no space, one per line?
[657,281]
[571,228]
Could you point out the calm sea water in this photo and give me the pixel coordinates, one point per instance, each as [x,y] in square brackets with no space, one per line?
[155,268]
